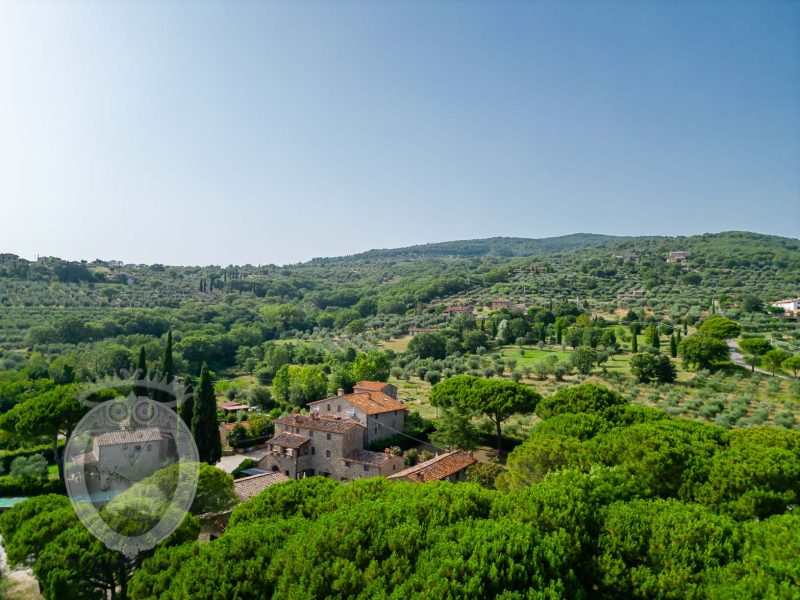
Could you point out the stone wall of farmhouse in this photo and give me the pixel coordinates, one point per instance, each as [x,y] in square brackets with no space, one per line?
[350,471]
[394,421]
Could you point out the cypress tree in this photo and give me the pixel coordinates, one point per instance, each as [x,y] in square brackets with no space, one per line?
[685,327]
[559,332]
[679,335]
[186,408]
[634,340]
[673,346]
[655,340]
[204,420]
[167,374]
[141,373]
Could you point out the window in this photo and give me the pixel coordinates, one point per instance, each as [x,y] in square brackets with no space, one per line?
[287,472]
[366,467]
[329,408]
[347,464]
[344,478]
[137,448]
[376,430]
[328,436]
[327,453]
[310,433]
[338,408]
[394,467]
[313,450]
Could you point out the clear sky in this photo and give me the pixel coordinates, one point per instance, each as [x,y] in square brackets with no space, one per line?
[272,132]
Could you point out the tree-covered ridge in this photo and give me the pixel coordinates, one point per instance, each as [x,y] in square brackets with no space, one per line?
[496,246]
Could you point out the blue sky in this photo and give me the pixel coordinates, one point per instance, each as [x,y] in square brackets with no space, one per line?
[274,132]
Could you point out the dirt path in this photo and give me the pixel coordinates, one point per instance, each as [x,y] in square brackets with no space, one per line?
[21,584]
[738,359]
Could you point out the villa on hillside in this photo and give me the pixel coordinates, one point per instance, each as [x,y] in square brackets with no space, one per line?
[790,306]
[679,257]
[455,311]
[505,303]
[450,466]
[500,304]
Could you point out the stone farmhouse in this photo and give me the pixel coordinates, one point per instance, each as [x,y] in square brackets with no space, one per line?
[679,257]
[331,441]
[372,404]
[455,311]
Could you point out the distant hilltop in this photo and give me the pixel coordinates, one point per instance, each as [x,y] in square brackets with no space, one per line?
[510,247]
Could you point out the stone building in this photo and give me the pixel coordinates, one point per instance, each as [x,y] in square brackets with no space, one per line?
[372,404]
[450,466]
[327,445]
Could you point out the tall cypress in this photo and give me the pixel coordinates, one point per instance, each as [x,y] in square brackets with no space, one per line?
[204,420]
[634,340]
[655,340]
[685,327]
[186,408]
[141,373]
[167,374]
[673,346]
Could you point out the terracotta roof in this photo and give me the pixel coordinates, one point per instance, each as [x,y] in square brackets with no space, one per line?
[438,467]
[367,457]
[288,440]
[372,386]
[247,487]
[318,423]
[233,406]
[129,436]
[372,403]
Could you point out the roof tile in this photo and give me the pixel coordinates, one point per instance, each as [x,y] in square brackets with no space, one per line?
[247,487]
[437,468]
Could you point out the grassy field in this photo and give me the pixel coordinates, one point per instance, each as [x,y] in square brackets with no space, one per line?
[526,356]
[398,345]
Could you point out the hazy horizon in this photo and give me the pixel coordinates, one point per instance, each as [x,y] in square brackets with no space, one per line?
[234,133]
[258,263]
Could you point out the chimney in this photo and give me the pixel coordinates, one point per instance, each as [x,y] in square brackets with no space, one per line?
[340,392]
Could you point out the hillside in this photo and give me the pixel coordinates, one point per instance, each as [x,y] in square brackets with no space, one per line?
[495,246]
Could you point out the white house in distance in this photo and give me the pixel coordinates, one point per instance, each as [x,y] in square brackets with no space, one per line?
[790,306]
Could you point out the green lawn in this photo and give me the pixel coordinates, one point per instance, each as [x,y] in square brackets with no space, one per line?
[528,355]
